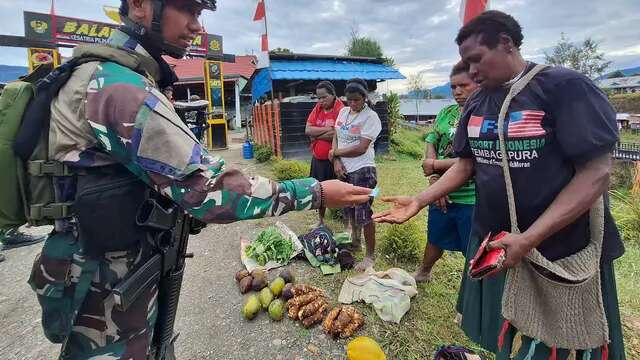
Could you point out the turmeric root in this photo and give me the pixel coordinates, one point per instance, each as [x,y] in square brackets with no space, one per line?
[328,321]
[315,318]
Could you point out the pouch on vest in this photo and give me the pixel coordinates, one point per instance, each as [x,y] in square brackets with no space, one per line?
[61,278]
[105,207]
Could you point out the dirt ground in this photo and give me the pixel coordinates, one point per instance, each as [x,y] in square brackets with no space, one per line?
[209,319]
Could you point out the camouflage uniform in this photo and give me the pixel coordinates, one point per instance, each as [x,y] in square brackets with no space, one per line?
[108,113]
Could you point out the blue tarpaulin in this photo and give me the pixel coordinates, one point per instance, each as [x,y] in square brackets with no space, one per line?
[319,69]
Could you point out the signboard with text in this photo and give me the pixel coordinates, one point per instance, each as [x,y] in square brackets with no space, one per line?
[68,30]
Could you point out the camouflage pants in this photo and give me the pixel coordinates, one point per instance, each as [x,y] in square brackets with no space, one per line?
[99,330]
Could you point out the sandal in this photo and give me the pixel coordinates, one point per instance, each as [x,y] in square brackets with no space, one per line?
[454,352]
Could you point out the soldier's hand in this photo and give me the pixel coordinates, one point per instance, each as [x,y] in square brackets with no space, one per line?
[339,194]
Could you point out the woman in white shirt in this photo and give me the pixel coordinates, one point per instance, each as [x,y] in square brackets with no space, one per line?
[353,157]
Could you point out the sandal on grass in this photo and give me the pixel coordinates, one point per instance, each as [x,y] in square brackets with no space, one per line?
[455,352]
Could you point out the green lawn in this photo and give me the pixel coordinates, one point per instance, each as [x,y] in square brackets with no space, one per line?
[429,323]
[630,136]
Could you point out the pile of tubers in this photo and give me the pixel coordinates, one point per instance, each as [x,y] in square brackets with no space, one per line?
[306,303]
[343,321]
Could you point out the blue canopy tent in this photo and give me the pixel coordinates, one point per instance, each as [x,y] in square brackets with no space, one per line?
[302,67]
[297,74]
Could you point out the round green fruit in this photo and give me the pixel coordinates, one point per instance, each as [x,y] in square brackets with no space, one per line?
[276,310]
[276,286]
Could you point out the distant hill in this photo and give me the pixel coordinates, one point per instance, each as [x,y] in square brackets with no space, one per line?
[626,72]
[444,90]
[9,72]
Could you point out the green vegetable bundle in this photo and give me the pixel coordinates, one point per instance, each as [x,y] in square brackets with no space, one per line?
[270,245]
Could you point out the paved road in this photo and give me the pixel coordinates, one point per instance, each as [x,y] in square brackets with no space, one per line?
[209,313]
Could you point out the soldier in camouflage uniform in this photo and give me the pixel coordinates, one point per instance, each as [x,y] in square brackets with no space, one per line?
[112,112]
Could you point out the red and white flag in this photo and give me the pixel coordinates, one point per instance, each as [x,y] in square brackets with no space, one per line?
[472,8]
[261,15]
[260,12]
[474,126]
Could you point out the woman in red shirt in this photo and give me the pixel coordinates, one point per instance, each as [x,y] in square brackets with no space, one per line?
[320,129]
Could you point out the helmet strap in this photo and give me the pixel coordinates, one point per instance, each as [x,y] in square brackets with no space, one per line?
[152,39]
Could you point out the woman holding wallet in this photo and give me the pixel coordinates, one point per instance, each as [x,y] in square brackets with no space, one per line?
[539,141]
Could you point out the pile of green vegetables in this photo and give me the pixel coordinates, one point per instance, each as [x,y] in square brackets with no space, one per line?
[270,245]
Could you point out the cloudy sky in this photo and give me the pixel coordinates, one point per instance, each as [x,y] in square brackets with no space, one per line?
[418,34]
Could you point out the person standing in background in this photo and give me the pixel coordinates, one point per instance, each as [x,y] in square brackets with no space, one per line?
[449,220]
[320,128]
[353,157]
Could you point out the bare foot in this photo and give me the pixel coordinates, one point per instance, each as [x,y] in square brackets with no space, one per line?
[458,319]
[365,264]
[422,276]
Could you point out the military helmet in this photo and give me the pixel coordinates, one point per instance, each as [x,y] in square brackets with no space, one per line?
[155,33]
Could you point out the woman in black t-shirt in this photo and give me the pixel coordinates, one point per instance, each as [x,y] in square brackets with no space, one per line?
[560,131]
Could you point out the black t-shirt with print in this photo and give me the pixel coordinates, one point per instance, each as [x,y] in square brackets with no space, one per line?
[559,120]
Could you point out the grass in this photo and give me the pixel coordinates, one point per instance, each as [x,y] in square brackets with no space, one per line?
[429,323]
[630,136]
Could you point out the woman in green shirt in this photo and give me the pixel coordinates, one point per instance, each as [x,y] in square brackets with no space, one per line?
[449,219]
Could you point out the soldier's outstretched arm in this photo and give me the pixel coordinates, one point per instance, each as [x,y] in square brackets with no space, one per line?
[133,122]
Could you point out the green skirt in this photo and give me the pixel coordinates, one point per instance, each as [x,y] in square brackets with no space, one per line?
[480,303]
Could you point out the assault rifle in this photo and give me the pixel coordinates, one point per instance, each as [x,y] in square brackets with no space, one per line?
[169,229]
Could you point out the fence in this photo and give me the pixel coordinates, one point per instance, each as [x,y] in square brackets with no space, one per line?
[627,151]
[281,126]
[266,126]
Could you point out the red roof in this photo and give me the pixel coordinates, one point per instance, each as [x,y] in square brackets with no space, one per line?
[192,69]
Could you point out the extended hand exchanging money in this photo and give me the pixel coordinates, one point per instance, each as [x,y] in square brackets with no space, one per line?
[404,208]
[339,194]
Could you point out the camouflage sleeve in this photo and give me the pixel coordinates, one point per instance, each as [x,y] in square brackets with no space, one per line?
[137,126]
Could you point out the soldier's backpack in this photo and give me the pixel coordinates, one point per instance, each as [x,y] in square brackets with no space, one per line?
[27,193]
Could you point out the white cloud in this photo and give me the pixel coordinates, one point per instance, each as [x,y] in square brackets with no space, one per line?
[418,34]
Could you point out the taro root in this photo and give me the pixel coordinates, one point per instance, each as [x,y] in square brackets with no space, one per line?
[287,292]
[258,283]
[245,284]
[241,275]
[343,321]
[315,318]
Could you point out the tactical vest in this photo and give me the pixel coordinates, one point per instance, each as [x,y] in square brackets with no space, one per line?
[36,172]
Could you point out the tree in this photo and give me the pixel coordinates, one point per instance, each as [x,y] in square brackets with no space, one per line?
[281,51]
[366,47]
[416,86]
[584,58]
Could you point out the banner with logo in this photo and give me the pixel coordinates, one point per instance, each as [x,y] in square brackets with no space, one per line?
[38,56]
[68,30]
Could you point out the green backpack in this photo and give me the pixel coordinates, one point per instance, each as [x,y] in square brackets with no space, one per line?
[27,193]
[14,100]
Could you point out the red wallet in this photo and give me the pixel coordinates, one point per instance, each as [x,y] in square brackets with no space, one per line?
[486,263]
